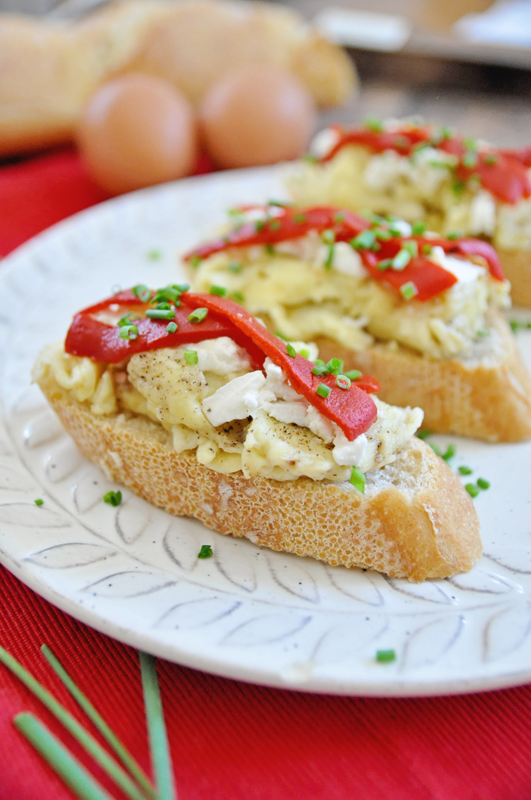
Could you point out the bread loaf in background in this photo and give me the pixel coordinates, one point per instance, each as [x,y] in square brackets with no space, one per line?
[49,69]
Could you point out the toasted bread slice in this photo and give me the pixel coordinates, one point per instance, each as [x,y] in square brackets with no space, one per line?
[485,397]
[516,265]
[414,521]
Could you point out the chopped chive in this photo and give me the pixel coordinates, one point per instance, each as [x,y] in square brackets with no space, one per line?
[394,231]
[353,374]
[465,470]
[470,160]
[412,248]
[423,433]
[418,228]
[270,249]
[87,741]
[363,241]
[335,366]
[198,315]
[290,350]
[160,313]
[450,452]
[328,236]
[514,325]
[171,327]
[274,225]
[408,290]
[142,292]
[158,737]
[470,144]
[220,291]
[39,501]
[318,362]
[195,261]
[323,390]
[125,320]
[427,249]
[343,381]
[191,357]
[164,306]
[300,218]
[169,294]
[234,266]
[282,336]
[385,656]
[280,203]
[320,370]
[304,353]
[310,159]
[402,259]
[483,484]
[259,225]
[154,255]
[454,235]
[128,332]
[113,498]
[382,234]
[458,187]
[239,297]
[373,124]
[108,734]
[330,257]
[339,217]
[472,489]
[490,159]
[357,479]
[61,760]
[205,552]
[387,263]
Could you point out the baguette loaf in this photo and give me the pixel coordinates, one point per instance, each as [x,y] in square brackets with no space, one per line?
[48,69]
[414,521]
[487,398]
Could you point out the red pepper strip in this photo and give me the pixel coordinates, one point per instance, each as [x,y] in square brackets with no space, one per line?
[91,338]
[293,223]
[351,409]
[506,178]
[430,279]
[477,247]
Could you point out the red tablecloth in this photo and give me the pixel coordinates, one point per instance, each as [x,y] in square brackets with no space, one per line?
[231,741]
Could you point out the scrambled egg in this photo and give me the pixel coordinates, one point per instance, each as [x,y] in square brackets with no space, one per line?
[163,386]
[417,188]
[303,301]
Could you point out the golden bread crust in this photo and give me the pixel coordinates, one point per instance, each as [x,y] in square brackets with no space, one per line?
[49,70]
[488,400]
[516,266]
[415,520]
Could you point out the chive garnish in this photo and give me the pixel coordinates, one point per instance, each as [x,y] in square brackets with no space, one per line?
[423,433]
[449,453]
[113,498]
[357,479]
[470,160]
[427,249]
[385,656]
[353,374]
[412,248]
[220,291]
[408,290]
[373,124]
[387,263]
[195,261]
[339,217]
[158,738]
[274,225]
[490,159]
[171,327]
[128,332]
[343,381]
[39,501]
[465,470]
[205,552]
[142,292]
[160,313]
[198,315]
[330,257]
[191,357]
[402,259]
[323,390]
[483,484]
[363,241]
[59,758]
[121,751]
[290,350]
[259,225]
[300,218]
[125,320]
[270,249]
[235,267]
[90,744]
[454,235]
[238,296]
[418,228]
[335,366]
[304,353]
[328,236]
[472,489]
[154,255]
[309,158]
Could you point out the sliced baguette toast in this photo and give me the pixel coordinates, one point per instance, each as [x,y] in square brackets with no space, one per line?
[516,265]
[487,397]
[414,521]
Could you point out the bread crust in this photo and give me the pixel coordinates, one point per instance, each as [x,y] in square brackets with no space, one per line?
[415,520]
[488,400]
[516,265]
[48,70]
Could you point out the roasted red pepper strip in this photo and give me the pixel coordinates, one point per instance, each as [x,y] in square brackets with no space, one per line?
[501,172]
[429,277]
[351,409]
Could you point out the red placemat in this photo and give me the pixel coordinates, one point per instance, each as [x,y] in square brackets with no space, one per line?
[229,740]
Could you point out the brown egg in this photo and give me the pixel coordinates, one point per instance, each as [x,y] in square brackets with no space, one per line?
[136,131]
[257,115]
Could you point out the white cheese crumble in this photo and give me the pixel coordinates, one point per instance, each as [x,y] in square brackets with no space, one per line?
[463,270]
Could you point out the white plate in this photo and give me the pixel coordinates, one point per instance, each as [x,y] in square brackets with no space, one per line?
[248,613]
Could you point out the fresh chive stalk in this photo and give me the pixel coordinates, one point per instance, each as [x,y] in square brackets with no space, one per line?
[472,489]
[198,315]
[323,390]
[205,552]
[113,498]
[72,772]
[39,501]
[465,470]
[385,656]
[191,356]
[85,739]
[158,739]
[357,479]
[110,737]
[290,350]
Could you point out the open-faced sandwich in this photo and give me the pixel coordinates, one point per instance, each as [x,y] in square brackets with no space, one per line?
[190,402]
[418,311]
[428,174]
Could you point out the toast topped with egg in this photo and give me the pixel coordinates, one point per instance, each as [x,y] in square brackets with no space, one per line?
[190,402]
[428,174]
[419,311]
